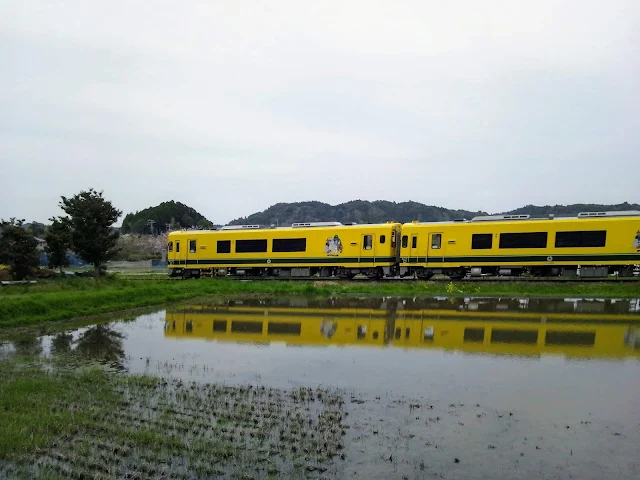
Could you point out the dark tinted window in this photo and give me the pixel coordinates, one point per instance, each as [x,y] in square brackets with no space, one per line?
[473,335]
[224,246]
[219,325]
[514,336]
[289,245]
[570,338]
[251,246]
[192,246]
[393,239]
[284,328]
[170,246]
[482,241]
[523,240]
[383,238]
[368,242]
[414,242]
[405,241]
[177,247]
[589,238]
[246,327]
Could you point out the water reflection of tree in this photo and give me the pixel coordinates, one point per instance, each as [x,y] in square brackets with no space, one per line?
[101,342]
[28,345]
[61,343]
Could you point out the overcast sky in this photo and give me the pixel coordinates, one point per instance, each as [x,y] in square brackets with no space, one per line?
[232,106]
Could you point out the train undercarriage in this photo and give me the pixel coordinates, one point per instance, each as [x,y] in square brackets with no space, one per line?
[572,271]
[421,273]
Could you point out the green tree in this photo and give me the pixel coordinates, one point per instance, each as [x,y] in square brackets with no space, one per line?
[58,243]
[18,248]
[205,224]
[91,218]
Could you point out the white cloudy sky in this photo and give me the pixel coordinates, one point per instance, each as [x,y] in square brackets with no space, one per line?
[232,106]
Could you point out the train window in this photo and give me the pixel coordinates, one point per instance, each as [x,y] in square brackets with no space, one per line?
[428,333]
[246,327]
[514,336]
[405,241]
[177,247]
[481,241]
[368,242]
[192,246]
[393,239]
[473,335]
[375,335]
[414,241]
[559,337]
[284,328]
[523,240]
[289,245]
[588,238]
[189,326]
[436,240]
[383,239]
[251,246]
[397,333]
[170,246]
[219,325]
[407,332]
[361,332]
[223,246]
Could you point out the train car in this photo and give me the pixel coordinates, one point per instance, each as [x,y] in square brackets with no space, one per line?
[304,249]
[500,333]
[307,326]
[593,244]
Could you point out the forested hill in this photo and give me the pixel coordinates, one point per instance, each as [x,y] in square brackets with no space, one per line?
[177,214]
[571,210]
[358,211]
[361,211]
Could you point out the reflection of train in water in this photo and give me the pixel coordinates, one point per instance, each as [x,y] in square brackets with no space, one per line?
[416,323]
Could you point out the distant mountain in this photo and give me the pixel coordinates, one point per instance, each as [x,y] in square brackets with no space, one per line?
[361,211]
[571,210]
[176,214]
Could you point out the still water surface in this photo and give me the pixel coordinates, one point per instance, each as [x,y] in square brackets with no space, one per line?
[512,388]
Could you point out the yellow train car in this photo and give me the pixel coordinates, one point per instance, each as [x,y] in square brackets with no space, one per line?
[593,244]
[501,333]
[305,249]
[292,326]
[520,338]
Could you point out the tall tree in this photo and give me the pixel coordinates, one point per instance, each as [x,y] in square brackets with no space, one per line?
[18,248]
[91,219]
[58,243]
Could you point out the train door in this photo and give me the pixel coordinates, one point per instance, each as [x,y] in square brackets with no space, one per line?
[435,249]
[414,255]
[368,248]
[191,251]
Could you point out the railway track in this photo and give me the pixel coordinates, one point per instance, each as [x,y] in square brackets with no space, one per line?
[446,280]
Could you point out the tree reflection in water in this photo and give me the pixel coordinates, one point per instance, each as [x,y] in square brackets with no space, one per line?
[101,342]
[61,343]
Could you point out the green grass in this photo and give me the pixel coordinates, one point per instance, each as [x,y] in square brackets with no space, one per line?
[69,298]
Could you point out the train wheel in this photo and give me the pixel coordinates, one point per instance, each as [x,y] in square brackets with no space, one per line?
[458,274]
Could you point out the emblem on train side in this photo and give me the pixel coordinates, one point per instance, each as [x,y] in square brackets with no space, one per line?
[333,246]
[636,244]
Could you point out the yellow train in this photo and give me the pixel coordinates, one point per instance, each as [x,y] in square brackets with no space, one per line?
[305,249]
[501,333]
[593,244]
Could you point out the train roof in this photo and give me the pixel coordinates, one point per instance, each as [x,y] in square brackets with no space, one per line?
[519,218]
[302,226]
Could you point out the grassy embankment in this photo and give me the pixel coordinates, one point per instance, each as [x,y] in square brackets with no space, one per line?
[60,420]
[77,297]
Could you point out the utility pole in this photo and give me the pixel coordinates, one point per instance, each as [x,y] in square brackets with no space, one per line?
[150,223]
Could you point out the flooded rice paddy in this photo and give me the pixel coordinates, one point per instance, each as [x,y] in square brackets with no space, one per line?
[372,387]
